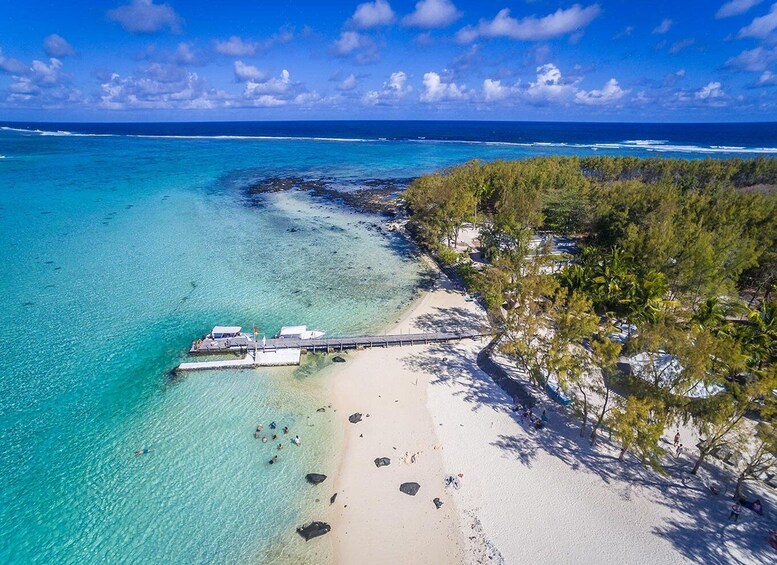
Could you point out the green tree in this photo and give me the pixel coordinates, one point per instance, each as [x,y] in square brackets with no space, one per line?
[638,424]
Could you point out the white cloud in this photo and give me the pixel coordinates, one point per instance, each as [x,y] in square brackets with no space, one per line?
[531,28]
[393,90]
[494,91]
[436,90]
[356,45]
[10,65]
[761,27]
[236,47]
[754,60]
[735,7]
[432,14]
[767,78]
[244,72]
[348,42]
[158,86]
[710,91]
[347,84]
[279,85]
[372,14]
[549,86]
[268,101]
[143,16]
[57,46]
[627,31]
[611,92]
[663,27]
[678,46]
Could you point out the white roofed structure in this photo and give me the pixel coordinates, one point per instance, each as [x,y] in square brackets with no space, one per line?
[298,332]
[219,332]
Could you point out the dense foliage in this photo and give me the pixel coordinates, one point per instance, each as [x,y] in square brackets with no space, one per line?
[681,253]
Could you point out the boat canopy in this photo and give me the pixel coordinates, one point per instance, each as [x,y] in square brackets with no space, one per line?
[293,331]
[225,331]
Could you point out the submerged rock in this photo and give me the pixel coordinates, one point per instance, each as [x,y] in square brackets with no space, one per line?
[313,530]
[338,359]
[409,488]
[355,418]
[437,503]
[382,462]
[333,498]
[315,478]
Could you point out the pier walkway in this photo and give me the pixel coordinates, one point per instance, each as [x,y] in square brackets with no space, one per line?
[287,351]
[329,344]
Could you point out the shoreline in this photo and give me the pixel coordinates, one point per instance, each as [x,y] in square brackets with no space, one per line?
[372,521]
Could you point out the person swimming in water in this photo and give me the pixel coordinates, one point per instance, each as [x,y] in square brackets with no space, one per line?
[256,434]
[144,451]
[272,425]
[296,440]
[259,428]
[264,439]
[280,446]
[285,429]
[274,459]
[274,436]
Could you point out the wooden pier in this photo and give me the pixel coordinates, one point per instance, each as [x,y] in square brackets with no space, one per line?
[330,344]
[287,351]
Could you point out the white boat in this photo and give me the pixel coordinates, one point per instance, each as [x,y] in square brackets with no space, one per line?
[298,332]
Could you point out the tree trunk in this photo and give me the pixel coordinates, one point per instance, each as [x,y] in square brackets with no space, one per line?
[738,489]
[600,418]
[585,411]
[699,461]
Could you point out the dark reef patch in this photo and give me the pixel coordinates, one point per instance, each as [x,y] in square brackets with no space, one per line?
[371,196]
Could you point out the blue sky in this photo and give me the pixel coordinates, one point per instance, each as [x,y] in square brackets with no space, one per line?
[605,60]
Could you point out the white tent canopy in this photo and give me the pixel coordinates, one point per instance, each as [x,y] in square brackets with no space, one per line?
[644,365]
[225,331]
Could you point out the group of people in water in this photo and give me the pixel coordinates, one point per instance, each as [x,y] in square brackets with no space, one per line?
[274,436]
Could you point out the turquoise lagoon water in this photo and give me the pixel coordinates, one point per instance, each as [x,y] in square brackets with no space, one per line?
[117,252]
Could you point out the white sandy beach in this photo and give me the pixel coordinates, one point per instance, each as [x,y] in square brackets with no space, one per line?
[525,496]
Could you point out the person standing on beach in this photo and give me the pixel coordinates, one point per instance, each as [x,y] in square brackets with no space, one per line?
[679,450]
[735,510]
[677,438]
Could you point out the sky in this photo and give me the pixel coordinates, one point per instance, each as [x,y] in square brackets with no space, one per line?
[604,60]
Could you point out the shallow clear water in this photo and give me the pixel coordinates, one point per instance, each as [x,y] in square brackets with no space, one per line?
[116,253]
[114,257]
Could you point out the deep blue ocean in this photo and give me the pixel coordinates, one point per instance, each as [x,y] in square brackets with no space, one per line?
[121,243]
[686,139]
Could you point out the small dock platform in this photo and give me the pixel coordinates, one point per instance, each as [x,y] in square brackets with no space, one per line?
[259,358]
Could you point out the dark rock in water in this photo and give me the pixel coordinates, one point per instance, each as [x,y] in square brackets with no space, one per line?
[322,409]
[338,359]
[315,478]
[382,462]
[437,503]
[313,530]
[409,488]
[333,498]
[355,418]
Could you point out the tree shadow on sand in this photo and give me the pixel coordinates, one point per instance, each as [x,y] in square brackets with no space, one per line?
[697,528]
